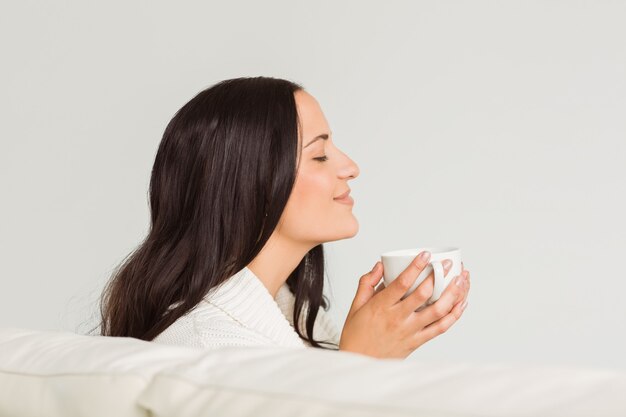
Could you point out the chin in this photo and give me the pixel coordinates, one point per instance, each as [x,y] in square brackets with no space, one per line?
[355,228]
[345,230]
[351,229]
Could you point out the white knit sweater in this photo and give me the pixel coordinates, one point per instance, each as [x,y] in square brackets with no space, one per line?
[242,312]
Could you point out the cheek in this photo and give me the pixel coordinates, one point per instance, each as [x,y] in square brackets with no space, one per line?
[312,192]
[311,213]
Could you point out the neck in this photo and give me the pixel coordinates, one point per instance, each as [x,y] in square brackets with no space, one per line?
[277,260]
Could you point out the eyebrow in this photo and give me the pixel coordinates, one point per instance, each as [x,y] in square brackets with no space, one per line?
[322,136]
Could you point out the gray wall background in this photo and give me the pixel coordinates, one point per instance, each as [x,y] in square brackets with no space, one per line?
[495,126]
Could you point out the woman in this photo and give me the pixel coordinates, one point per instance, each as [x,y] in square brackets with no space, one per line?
[246,186]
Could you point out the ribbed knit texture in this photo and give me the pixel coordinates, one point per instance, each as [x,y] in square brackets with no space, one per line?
[241,312]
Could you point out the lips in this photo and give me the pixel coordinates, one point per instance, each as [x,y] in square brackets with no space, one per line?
[344,195]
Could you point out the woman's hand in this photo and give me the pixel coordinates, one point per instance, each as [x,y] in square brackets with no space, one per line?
[382,325]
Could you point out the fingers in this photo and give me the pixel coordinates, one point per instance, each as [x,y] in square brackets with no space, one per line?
[443,324]
[399,286]
[447,266]
[467,284]
[365,290]
[423,292]
[453,293]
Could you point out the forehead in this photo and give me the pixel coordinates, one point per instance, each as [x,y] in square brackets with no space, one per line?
[312,119]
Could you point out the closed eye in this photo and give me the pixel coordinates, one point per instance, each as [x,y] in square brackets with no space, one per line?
[321,158]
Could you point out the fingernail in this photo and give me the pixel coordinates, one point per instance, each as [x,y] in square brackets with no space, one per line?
[375,266]
[459,280]
[464,305]
[425,256]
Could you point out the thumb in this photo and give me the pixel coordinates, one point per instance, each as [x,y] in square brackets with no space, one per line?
[366,289]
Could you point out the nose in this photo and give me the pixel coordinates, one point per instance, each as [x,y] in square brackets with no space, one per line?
[349,169]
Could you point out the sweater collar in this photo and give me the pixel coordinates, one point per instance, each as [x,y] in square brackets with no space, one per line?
[245,298]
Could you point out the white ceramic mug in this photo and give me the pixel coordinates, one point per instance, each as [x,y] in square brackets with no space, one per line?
[395,262]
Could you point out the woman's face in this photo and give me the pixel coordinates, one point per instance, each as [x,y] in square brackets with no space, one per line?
[312,215]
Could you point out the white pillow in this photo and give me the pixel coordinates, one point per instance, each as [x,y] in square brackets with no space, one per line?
[238,382]
[65,374]
[46,373]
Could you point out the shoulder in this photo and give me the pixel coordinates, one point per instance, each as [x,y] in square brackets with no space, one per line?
[209,326]
[216,325]
[238,311]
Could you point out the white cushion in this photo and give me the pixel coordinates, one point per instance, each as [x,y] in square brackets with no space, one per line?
[64,374]
[44,373]
[239,382]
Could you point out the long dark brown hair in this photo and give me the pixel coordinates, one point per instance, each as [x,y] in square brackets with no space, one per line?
[222,176]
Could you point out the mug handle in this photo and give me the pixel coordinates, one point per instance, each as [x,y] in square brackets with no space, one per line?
[440,285]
